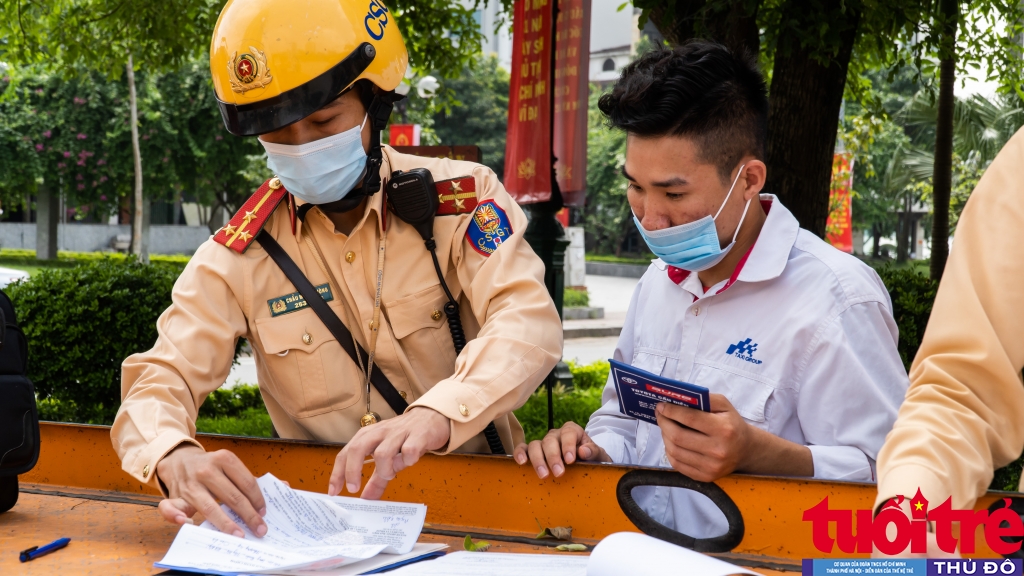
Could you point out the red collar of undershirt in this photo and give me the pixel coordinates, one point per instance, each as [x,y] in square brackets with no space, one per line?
[677,275]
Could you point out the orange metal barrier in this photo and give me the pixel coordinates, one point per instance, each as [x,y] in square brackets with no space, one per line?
[481,493]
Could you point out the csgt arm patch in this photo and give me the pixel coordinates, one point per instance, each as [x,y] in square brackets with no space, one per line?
[489,228]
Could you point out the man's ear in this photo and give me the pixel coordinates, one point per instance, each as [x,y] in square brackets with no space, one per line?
[754,175]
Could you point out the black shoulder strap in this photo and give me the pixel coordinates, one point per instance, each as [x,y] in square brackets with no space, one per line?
[331,320]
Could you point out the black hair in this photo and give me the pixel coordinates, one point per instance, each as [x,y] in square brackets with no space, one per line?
[699,90]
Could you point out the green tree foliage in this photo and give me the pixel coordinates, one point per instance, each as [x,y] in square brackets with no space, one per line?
[607,215]
[81,323]
[74,132]
[473,110]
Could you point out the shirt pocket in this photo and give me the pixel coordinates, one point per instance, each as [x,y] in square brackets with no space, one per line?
[311,373]
[419,324]
[749,396]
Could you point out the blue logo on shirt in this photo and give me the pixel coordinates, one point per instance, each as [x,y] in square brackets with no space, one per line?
[744,350]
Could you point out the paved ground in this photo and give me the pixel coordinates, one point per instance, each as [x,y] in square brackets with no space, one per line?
[608,292]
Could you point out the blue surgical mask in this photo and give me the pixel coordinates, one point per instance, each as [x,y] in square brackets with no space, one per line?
[321,171]
[693,246]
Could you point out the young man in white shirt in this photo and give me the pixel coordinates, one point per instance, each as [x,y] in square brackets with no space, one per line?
[795,339]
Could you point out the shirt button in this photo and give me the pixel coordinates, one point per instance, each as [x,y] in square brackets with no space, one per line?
[403,394]
[350,257]
[435,315]
[145,471]
[696,311]
[464,410]
[307,339]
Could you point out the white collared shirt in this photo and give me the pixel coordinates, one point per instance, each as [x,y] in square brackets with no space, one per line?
[801,340]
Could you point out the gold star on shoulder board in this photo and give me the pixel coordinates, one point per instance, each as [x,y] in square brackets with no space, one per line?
[229,230]
[456,187]
[244,236]
[249,217]
[460,204]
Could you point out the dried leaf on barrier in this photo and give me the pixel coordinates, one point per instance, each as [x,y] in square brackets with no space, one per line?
[571,547]
[471,546]
[558,533]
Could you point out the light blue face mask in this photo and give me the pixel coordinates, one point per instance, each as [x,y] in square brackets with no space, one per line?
[321,171]
[693,246]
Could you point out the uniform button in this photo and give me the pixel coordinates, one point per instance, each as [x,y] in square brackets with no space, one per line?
[372,325]
[145,471]
[464,410]
[350,257]
[403,394]
[435,315]
[307,338]
[696,311]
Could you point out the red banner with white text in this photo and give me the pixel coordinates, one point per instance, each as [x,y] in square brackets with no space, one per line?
[572,90]
[839,226]
[528,141]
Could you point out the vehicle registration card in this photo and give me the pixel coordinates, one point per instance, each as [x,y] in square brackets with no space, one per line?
[641,391]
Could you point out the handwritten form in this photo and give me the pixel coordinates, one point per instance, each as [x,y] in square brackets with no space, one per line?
[305,531]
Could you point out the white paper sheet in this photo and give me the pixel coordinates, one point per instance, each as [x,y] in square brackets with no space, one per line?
[632,553]
[380,561]
[498,564]
[305,531]
[197,549]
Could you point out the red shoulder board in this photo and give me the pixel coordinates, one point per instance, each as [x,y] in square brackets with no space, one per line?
[457,196]
[247,223]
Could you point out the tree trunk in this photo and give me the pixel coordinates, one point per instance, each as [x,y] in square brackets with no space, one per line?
[942,177]
[47,218]
[139,243]
[903,231]
[876,232]
[803,117]
[734,25]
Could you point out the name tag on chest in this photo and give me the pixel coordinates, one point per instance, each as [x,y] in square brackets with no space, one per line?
[295,301]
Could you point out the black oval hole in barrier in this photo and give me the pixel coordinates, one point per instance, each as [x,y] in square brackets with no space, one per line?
[673,479]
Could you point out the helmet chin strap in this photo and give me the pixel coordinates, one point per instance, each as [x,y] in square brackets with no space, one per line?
[379,113]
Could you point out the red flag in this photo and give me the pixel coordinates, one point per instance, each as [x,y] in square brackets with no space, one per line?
[528,142]
[839,226]
[404,135]
[572,91]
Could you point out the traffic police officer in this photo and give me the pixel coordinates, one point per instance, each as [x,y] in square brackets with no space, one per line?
[316,85]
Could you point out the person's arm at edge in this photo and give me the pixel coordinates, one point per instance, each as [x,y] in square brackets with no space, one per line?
[962,414]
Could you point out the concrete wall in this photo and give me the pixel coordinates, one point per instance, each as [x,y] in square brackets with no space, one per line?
[96,237]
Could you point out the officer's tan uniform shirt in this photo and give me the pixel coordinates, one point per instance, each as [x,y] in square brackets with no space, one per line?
[964,412]
[312,388]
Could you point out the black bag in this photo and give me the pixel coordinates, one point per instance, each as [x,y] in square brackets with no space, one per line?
[19,421]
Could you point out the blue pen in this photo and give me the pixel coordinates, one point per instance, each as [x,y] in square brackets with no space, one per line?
[37,551]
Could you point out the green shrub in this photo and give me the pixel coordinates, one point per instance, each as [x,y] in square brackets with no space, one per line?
[575,298]
[593,375]
[912,296]
[576,406]
[66,259]
[229,402]
[81,323]
[249,422]
[640,259]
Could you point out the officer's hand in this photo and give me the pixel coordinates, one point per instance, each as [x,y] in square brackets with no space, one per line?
[197,481]
[395,444]
[716,444]
[569,442]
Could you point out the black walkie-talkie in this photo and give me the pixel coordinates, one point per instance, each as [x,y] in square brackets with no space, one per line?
[413,198]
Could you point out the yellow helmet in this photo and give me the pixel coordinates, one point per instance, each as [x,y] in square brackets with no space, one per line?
[274,62]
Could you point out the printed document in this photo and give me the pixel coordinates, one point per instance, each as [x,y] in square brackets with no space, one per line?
[305,531]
